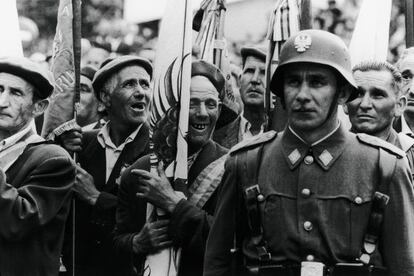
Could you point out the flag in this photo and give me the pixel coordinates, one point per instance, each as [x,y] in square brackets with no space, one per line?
[11,44]
[283,23]
[170,114]
[210,41]
[59,117]
[371,34]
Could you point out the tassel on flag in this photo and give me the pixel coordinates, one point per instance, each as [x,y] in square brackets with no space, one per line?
[11,44]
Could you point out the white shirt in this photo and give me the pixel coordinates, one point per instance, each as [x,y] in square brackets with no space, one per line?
[10,141]
[405,128]
[245,127]
[113,152]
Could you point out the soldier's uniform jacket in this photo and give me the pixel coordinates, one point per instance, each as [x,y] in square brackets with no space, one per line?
[317,203]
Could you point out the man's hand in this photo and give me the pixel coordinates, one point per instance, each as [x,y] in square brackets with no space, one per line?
[71,140]
[84,186]
[157,189]
[152,238]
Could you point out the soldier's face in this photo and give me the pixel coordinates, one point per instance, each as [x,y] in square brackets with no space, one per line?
[16,103]
[377,103]
[309,91]
[252,82]
[406,67]
[128,102]
[204,111]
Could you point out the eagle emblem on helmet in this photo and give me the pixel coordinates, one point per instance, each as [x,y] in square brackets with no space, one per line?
[303,42]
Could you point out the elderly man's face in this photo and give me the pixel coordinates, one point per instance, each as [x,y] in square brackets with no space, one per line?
[406,67]
[252,82]
[309,91]
[88,103]
[204,111]
[128,102]
[376,105]
[16,103]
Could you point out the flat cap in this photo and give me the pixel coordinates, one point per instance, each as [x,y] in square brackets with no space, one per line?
[88,71]
[211,72]
[255,51]
[31,72]
[115,66]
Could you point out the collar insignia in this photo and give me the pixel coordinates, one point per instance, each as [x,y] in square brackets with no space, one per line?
[294,156]
[325,157]
[303,42]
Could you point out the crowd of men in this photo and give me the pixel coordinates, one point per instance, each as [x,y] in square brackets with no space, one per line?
[315,199]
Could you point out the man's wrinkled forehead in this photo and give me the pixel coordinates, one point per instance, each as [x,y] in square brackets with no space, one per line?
[201,86]
[374,79]
[407,64]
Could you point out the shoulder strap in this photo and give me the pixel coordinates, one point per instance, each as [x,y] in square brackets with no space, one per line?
[387,162]
[248,165]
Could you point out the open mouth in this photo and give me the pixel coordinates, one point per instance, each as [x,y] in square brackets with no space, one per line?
[199,126]
[138,106]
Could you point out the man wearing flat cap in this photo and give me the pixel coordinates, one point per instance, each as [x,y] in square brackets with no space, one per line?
[36,178]
[123,86]
[189,217]
[252,90]
[315,199]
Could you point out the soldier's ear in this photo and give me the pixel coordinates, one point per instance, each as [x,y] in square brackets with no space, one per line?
[344,93]
[39,107]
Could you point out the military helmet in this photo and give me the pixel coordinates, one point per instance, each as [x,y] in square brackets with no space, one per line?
[314,46]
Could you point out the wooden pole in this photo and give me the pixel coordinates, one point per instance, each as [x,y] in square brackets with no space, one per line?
[409,23]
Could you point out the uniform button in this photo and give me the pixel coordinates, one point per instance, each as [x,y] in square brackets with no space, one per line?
[308,159]
[306,193]
[310,258]
[358,200]
[260,198]
[307,225]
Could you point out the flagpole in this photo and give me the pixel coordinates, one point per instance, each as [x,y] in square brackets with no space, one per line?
[305,15]
[76,35]
[409,23]
[218,51]
[268,97]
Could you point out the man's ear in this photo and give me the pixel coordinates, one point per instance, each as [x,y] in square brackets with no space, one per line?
[400,105]
[345,108]
[344,93]
[105,98]
[40,107]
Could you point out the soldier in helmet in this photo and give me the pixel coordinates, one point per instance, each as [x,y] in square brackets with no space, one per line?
[315,199]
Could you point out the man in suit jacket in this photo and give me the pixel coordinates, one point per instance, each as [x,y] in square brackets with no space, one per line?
[189,216]
[123,86]
[252,90]
[36,177]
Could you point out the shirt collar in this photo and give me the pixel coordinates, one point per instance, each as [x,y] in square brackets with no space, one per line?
[105,140]
[324,151]
[245,125]
[12,140]
[405,128]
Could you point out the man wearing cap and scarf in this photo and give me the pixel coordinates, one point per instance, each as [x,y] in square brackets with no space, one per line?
[123,86]
[252,90]
[189,217]
[315,199]
[36,178]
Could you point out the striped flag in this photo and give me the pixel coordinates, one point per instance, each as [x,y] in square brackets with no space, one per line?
[11,44]
[170,112]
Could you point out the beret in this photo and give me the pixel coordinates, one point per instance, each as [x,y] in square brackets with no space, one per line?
[88,71]
[31,72]
[211,72]
[115,66]
[258,52]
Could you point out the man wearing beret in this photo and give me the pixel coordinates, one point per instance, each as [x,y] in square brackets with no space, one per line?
[315,199]
[252,90]
[123,86]
[189,217]
[36,178]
